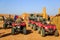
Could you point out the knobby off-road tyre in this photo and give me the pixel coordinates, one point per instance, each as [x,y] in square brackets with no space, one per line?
[56,33]
[31,26]
[28,25]
[13,31]
[24,30]
[42,32]
[39,30]
[4,26]
[34,27]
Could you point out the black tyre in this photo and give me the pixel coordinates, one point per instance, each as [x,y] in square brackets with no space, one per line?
[9,26]
[4,26]
[24,30]
[13,31]
[56,33]
[31,26]
[39,30]
[34,27]
[28,24]
[42,32]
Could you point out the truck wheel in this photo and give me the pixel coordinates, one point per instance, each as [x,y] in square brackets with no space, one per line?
[39,30]
[4,26]
[34,27]
[56,33]
[24,30]
[13,31]
[42,32]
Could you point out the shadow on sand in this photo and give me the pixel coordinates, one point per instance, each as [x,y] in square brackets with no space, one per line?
[5,35]
[5,28]
[52,35]
[1,28]
[28,32]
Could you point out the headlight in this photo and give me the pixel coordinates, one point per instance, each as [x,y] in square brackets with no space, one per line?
[46,28]
[18,26]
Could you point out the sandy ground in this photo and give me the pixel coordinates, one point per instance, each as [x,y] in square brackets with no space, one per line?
[5,34]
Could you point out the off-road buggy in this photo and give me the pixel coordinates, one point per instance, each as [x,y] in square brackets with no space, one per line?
[8,23]
[44,29]
[18,27]
[36,22]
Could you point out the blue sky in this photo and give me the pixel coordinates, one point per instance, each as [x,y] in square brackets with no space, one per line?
[21,6]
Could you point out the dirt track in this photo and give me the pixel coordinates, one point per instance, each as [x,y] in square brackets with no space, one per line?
[5,34]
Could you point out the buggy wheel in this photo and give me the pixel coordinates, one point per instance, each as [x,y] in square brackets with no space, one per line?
[4,26]
[31,25]
[42,32]
[39,30]
[9,26]
[56,33]
[13,31]
[24,30]
[34,27]
[28,24]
